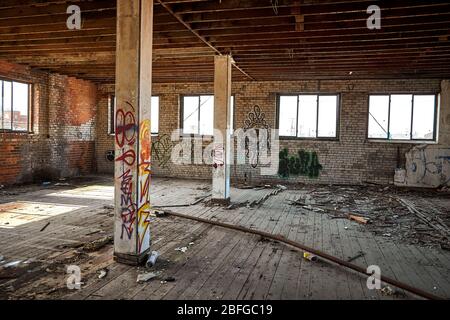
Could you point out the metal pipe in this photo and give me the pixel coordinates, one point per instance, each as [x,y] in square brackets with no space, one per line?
[419,292]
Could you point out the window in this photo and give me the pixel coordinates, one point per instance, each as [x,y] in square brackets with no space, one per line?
[198,114]
[402,116]
[14,106]
[154,115]
[308,116]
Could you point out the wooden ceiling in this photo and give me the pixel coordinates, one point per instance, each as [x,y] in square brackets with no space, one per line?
[269,39]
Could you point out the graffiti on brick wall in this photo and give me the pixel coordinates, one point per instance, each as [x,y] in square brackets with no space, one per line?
[162,150]
[427,166]
[256,120]
[303,163]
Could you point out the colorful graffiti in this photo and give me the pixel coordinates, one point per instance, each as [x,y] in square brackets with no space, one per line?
[302,164]
[135,169]
[144,185]
[125,140]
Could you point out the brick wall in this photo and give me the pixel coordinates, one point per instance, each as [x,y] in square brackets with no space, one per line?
[62,143]
[350,160]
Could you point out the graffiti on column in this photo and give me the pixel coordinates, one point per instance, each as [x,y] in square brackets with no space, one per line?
[144,185]
[126,139]
[256,120]
[219,156]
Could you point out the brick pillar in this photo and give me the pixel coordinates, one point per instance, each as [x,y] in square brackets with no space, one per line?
[222,125]
[133,133]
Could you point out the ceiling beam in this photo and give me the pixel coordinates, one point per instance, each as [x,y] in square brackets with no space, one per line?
[180,19]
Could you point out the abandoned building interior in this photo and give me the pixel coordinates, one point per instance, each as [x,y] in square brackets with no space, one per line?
[123,175]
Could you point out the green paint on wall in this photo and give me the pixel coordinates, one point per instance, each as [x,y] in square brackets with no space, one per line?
[304,163]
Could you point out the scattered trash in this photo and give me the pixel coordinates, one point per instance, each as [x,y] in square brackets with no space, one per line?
[158,213]
[46,184]
[310,257]
[183,249]
[103,273]
[360,254]
[45,227]
[388,291]
[2,258]
[191,243]
[12,264]
[146,277]
[152,259]
[346,228]
[59,184]
[170,279]
[387,235]
[358,219]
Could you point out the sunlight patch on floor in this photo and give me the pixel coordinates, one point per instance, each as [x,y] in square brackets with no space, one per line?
[16,214]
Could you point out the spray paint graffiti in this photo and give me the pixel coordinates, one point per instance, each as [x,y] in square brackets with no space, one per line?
[428,166]
[162,151]
[219,156]
[134,202]
[144,185]
[303,164]
[125,140]
[256,120]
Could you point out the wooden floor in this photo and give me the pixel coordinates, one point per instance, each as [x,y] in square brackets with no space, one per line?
[218,263]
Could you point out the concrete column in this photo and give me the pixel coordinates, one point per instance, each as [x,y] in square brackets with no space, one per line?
[133,133]
[222,125]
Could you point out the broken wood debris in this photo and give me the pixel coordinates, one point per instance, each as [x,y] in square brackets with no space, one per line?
[97,244]
[45,227]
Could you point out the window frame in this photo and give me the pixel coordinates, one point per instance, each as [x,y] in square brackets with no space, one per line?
[181,121]
[317,138]
[112,115]
[411,140]
[30,85]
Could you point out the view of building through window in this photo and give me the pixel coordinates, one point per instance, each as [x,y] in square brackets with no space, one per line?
[154,115]
[402,117]
[308,116]
[14,105]
[198,114]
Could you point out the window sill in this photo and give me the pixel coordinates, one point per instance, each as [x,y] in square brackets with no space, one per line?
[22,133]
[310,139]
[401,141]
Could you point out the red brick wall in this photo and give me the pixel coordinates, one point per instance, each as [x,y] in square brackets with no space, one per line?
[62,143]
[350,160]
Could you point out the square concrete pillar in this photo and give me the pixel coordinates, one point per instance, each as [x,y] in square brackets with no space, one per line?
[222,125]
[133,133]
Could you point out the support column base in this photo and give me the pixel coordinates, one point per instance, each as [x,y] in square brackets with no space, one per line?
[222,202]
[130,259]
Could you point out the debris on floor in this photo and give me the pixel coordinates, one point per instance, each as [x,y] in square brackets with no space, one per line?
[182,249]
[310,257]
[360,254]
[97,244]
[103,273]
[145,277]
[45,227]
[152,259]
[420,217]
